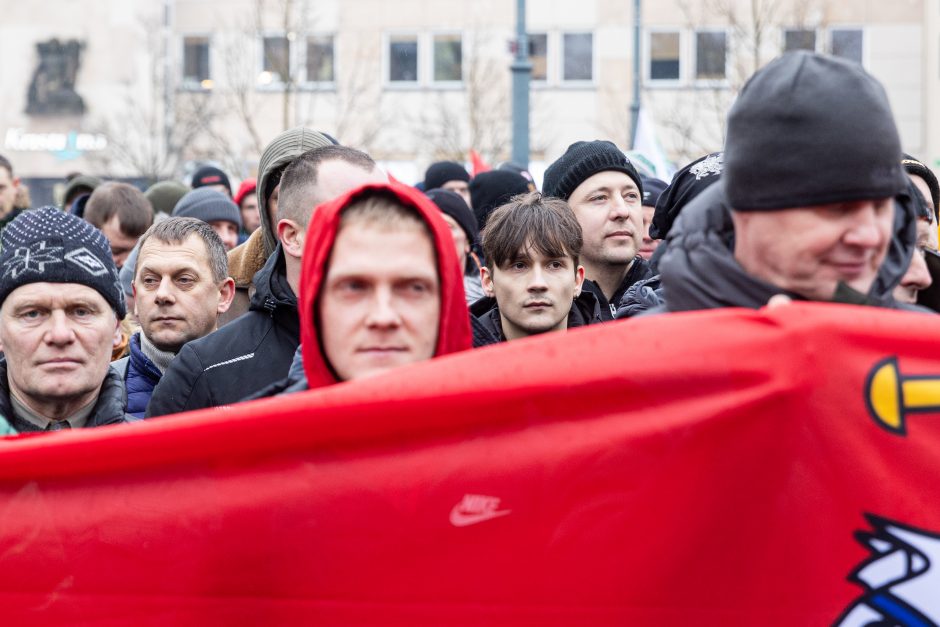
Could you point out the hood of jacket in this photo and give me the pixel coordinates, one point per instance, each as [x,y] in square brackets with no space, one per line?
[273,294]
[699,271]
[281,151]
[454,325]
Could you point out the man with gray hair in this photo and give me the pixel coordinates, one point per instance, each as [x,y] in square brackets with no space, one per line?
[59,318]
[181,287]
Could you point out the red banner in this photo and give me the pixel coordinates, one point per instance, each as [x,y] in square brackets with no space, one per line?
[719,468]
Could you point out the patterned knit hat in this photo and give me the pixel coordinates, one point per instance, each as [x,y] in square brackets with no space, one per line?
[583,160]
[49,245]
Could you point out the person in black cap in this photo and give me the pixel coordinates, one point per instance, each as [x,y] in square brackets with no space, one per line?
[61,307]
[448,175]
[605,192]
[489,190]
[213,178]
[686,184]
[925,192]
[807,207]
[463,226]
[652,188]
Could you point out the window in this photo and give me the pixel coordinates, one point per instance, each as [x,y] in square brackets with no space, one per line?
[448,65]
[275,59]
[664,56]
[799,39]
[847,43]
[578,57]
[196,62]
[320,67]
[711,50]
[538,55]
[403,59]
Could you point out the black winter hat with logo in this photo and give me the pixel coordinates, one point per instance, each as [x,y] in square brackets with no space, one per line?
[809,129]
[686,184]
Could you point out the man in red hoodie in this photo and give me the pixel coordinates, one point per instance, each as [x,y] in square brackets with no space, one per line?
[380,287]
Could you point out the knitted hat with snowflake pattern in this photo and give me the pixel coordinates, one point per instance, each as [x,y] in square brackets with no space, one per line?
[48,245]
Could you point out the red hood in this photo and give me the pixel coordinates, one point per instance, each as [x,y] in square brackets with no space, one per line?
[454,331]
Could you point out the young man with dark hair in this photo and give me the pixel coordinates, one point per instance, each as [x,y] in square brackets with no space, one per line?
[532,277]
[122,213]
[181,287]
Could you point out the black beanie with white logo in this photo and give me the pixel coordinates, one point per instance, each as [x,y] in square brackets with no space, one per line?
[810,129]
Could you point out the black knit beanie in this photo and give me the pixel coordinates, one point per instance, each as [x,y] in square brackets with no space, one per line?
[453,204]
[686,184]
[48,245]
[917,168]
[210,175]
[208,205]
[652,190]
[809,129]
[583,160]
[439,173]
[489,190]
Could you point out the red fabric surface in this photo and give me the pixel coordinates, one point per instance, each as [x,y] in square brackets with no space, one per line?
[478,164]
[690,469]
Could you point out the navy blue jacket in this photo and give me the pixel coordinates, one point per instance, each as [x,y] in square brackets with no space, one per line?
[140,377]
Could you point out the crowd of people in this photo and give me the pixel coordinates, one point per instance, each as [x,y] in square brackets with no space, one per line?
[126,305]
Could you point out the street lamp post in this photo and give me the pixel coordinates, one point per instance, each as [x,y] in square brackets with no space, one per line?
[521,72]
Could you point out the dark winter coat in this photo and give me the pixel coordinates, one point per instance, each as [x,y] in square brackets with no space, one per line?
[638,271]
[140,377]
[487,327]
[108,410]
[699,270]
[240,358]
[643,296]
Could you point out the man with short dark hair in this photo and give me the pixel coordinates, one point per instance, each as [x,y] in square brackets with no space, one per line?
[605,192]
[181,286]
[532,276]
[122,213]
[59,320]
[255,350]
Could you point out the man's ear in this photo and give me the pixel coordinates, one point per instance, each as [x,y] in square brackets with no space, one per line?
[487,280]
[118,336]
[291,236]
[578,280]
[226,295]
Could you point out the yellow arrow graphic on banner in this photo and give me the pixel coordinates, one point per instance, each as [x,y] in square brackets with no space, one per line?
[891,396]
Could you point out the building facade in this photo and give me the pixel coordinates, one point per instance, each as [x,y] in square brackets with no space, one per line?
[145,89]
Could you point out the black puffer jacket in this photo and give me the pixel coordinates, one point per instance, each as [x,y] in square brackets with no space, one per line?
[108,410]
[699,271]
[487,328]
[638,271]
[240,358]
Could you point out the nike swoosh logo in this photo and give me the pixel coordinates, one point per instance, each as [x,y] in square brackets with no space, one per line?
[463,519]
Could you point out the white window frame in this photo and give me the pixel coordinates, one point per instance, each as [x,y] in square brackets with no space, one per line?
[849,27]
[184,84]
[305,82]
[560,59]
[276,83]
[648,80]
[693,56]
[387,37]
